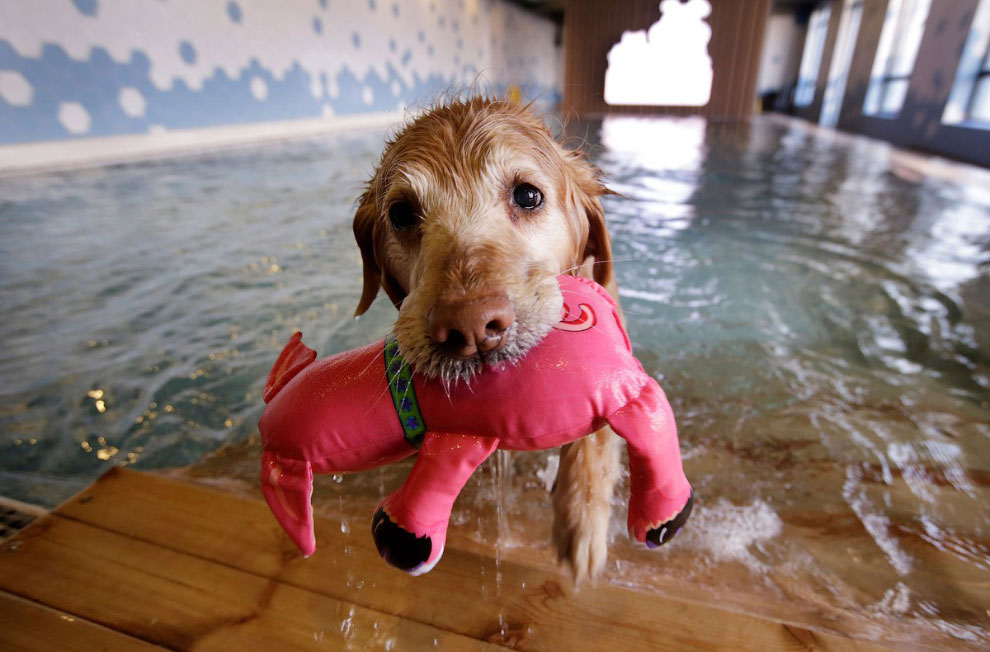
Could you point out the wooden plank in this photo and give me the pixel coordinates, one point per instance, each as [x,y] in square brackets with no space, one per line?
[30,627]
[185,602]
[528,608]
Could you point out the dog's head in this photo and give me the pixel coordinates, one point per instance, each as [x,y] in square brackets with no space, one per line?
[472,211]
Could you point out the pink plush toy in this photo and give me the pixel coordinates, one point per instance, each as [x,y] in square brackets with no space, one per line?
[364,408]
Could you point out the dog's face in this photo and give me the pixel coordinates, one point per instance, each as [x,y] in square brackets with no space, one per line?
[470,215]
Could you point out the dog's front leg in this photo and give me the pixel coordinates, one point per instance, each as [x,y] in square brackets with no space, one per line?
[582,501]
[582,492]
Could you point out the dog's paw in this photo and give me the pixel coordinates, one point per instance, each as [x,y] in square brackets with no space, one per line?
[582,499]
[401,548]
[657,536]
[582,543]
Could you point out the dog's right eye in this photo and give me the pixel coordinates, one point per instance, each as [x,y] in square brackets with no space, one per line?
[527,196]
[402,216]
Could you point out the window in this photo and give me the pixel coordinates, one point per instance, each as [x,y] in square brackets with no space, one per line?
[666,65]
[979,102]
[896,53]
[811,57]
[969,99]
[838,73]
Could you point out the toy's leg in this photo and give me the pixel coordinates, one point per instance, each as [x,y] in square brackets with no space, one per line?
[660,498]
[410,526]
[287,485]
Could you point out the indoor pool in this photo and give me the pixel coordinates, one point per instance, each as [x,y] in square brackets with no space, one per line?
[816,306]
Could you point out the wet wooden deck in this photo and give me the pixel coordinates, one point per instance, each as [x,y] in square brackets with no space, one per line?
[140,561]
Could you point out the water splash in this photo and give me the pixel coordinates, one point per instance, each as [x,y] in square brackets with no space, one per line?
[499,468]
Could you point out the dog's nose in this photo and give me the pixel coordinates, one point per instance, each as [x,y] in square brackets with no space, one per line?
[464,328]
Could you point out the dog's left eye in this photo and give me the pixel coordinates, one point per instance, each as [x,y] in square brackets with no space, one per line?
[527,196]
[402,215]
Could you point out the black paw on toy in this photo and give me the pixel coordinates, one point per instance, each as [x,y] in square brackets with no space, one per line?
[661,535]
[398,546]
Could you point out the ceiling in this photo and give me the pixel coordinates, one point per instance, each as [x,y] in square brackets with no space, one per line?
[552,9]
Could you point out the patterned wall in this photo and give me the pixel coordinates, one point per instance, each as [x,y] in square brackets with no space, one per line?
[79,68]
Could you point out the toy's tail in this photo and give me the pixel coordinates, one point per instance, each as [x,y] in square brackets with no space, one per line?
[293,359]
[288,488]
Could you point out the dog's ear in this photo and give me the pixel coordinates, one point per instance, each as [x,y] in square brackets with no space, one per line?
[585,191]
[366,233]
[599,245]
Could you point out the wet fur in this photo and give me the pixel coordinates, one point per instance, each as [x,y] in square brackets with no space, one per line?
[457,165]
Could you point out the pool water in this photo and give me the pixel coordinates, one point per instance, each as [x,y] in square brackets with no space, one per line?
[817,308]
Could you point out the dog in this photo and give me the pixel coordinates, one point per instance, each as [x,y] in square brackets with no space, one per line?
[471,213]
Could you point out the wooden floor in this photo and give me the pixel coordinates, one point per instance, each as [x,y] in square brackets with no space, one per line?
[139,561]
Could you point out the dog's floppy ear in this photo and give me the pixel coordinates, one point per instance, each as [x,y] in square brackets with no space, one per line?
[365,232]
[585,191]
[599,244]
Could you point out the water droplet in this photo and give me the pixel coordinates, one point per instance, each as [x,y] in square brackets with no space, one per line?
[337,478]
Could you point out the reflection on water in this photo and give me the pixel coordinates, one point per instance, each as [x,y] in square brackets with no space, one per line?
[821,325]
[143,303]
[817,309]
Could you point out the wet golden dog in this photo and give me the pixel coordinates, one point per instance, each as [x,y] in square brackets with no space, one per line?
[472,211]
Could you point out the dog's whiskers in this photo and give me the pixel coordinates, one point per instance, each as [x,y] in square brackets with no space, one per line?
[600,262]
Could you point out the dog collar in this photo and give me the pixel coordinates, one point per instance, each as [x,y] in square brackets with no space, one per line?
[400,386]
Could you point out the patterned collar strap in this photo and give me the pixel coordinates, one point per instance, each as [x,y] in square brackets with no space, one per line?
[400,385]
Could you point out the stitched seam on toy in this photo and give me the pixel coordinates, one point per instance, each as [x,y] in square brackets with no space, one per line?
[398,374]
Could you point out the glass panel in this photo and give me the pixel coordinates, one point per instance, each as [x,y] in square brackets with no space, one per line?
[881,61]
[893,96]
[811,58]
[908,40]
[900,39]
[974,57]
[979,108]
[841,60]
